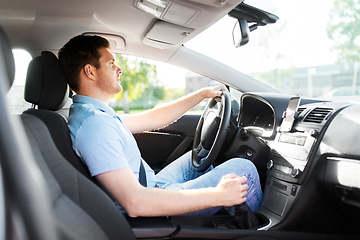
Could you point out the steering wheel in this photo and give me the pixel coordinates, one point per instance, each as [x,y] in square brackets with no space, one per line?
[211,132]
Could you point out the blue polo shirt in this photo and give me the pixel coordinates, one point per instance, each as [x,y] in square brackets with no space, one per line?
[102,141]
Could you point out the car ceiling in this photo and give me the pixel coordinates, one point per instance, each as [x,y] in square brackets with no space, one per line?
[36,25]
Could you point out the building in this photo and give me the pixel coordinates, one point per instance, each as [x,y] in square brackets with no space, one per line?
[194,81]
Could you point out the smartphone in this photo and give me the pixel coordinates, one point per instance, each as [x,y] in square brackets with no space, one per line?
[289,114]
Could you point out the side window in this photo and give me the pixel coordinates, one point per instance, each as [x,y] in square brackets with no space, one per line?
[15,96]
[195,81]
[148,83]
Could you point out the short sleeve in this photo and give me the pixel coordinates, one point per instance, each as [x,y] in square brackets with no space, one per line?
[100,144]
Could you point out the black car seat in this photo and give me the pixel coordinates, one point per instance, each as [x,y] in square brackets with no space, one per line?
[46,89]
[84,209]
[74,207]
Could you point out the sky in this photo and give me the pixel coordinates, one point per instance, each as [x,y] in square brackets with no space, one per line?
[299,35]
[297,39]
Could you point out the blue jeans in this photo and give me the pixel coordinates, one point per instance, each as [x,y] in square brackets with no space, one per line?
[180,174]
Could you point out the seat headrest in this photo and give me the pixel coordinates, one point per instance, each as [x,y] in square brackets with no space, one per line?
[8,58]
[45,84]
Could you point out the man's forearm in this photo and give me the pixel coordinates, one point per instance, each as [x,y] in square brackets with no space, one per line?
[162,116]
[139,201]
[170,112]
[162,202]
[230,191]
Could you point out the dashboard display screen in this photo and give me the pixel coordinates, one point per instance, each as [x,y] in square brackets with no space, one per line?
[289,117]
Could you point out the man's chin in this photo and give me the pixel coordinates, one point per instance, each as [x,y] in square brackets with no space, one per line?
[119,89]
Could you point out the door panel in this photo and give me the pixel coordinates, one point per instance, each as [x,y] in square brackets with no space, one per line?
[161,147]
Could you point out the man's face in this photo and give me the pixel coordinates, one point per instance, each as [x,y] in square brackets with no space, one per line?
[108,75]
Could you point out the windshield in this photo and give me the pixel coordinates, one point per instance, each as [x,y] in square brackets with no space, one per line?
[312,50]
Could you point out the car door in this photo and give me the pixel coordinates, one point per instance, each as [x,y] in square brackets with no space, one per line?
[161,147]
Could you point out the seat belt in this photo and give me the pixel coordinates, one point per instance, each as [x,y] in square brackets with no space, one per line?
[142,174]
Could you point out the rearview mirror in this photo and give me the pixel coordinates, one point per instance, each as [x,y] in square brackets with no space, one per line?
[241,32]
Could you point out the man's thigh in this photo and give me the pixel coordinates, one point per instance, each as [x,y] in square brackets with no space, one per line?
[179,171]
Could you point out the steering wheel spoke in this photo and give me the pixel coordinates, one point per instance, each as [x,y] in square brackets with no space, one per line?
[201,152]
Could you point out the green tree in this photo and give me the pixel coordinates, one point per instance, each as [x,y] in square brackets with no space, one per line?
[136,78]
[158,92]
[344,29]
[173,93]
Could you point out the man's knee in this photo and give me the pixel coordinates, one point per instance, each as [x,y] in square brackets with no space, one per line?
[241,162]
[242,167]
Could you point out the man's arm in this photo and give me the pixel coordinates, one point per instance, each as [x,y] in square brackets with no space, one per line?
[140,201]
[160,117]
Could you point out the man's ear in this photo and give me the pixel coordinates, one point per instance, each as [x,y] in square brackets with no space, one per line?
[89,71]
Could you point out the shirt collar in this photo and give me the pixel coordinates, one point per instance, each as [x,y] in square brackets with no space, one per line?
[94,102]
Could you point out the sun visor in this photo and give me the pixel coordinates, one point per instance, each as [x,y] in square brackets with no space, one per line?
[168,11]
[165,35]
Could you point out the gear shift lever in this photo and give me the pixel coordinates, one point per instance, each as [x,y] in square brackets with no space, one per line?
[244,218]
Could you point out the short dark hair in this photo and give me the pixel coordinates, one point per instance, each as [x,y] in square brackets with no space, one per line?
[76,53]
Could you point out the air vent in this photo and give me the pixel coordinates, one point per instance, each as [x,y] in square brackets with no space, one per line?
[300,110]
[317,115]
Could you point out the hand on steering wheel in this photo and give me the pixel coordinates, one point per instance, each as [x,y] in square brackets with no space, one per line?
[211,132]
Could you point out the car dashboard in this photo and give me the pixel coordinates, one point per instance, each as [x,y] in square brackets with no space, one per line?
[319,154]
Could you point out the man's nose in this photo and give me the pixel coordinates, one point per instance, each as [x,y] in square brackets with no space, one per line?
[120,70]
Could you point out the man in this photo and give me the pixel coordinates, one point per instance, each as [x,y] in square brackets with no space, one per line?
[104,141]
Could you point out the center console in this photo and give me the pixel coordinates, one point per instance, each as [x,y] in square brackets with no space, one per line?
[290,152]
